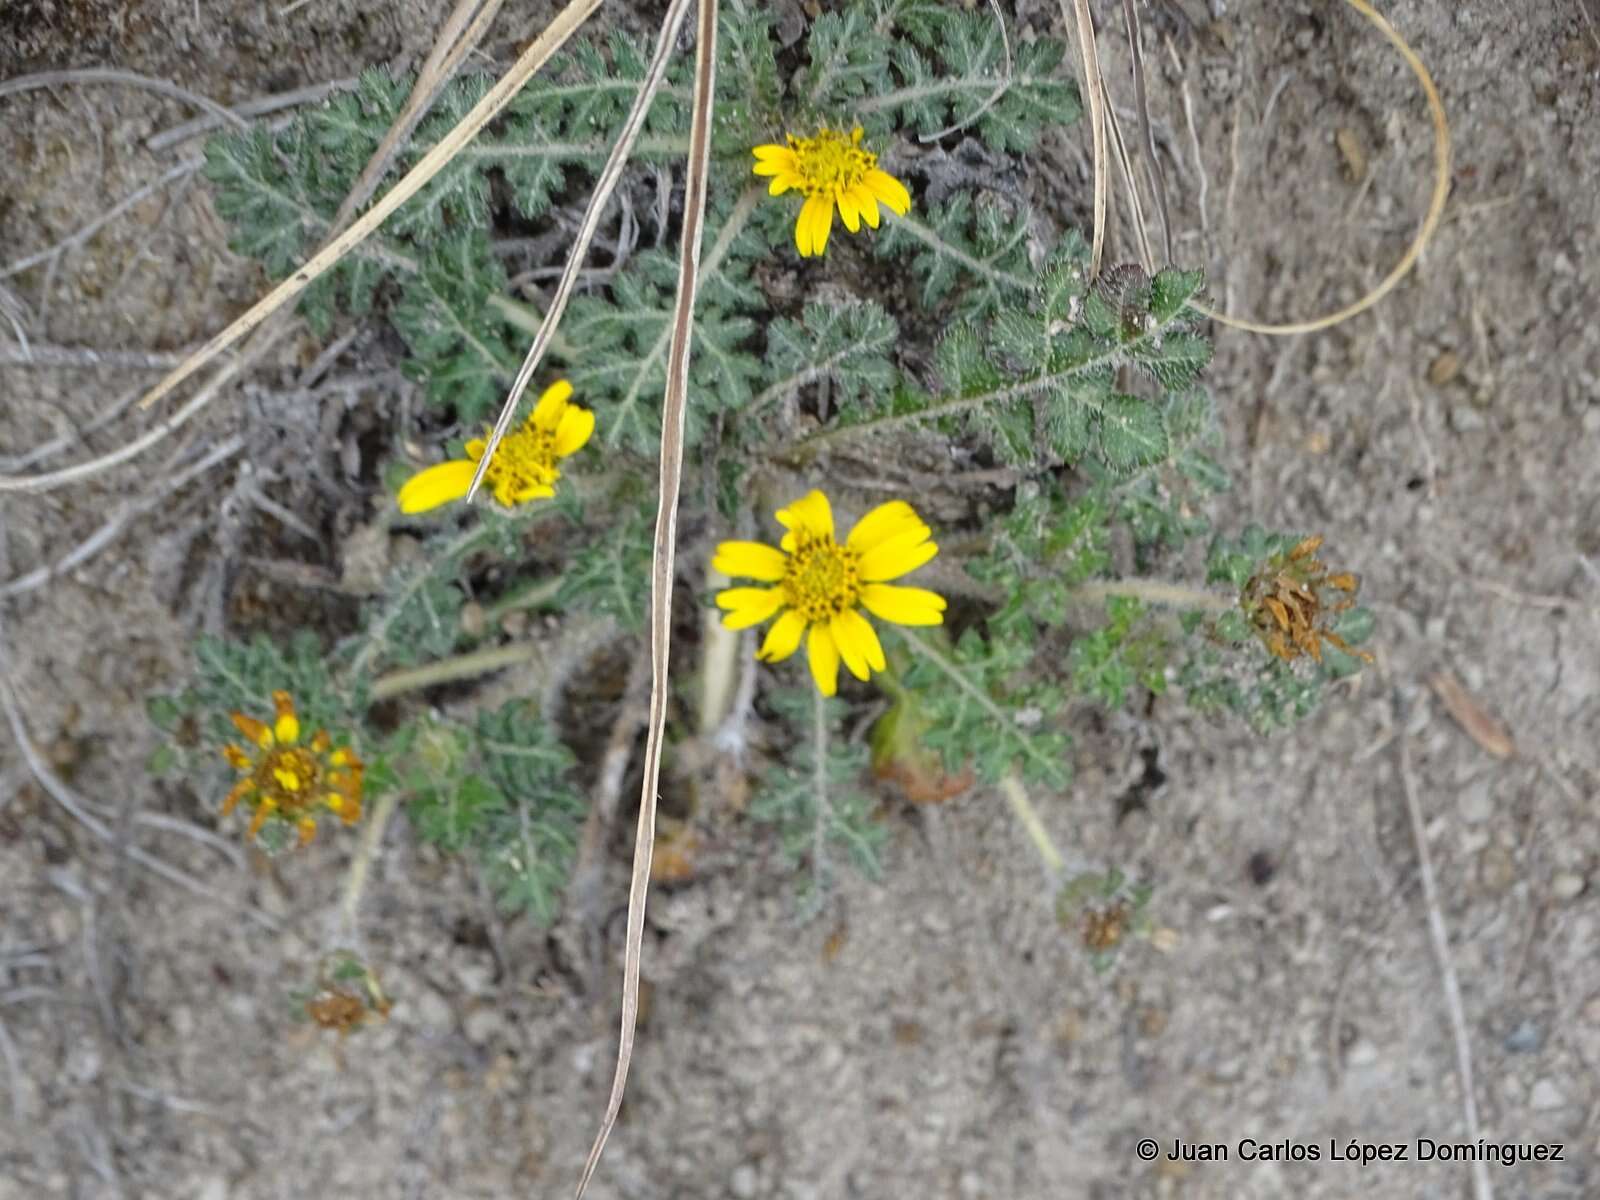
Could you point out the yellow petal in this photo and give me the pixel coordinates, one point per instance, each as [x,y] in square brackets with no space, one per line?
[436,485]
[903,605]
[748,606]
[534,491]
[573,431]
[750,559]
[811,230]
[867,203]
[897,556]
[475,448]
[889,190]
[850,213]
[773,151]
[851,648]
[811,513]
[782,183]
[286,727]
[548,412]
[881,524]
[851,628]
[824,657]
[783,639]
[253,729]
[239,790]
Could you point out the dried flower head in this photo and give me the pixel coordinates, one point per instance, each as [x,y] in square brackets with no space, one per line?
[819,586]
[1103,928]
[1292,597]
[833,171]
[525,465]
[285,778]
[347,996]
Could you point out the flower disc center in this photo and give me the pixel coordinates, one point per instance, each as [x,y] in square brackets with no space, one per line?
[831,163]
[823,578]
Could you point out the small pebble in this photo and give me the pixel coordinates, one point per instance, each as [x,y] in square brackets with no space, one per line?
[1526,1038]
[743,1182]
[1568,885]
[1546,1096]
[1361,1054]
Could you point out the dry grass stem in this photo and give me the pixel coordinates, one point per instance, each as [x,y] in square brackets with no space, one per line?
[1482,1189]
[1094,93]
[113,75]
[673,405]
[250,108]
[1158,182]
[107,532]
[610,175]
[562,26]
[132,449]
[178,171]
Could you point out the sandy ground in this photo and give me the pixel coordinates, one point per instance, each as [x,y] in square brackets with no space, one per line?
[937,1035]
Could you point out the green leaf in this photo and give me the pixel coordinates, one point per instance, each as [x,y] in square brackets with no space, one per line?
[1172,290]
[1132,433]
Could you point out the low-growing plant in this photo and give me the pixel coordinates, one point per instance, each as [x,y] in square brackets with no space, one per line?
[967,487]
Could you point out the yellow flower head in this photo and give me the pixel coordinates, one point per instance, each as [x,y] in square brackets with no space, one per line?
[831,169]
[524,465]
[821,586]
[286,779]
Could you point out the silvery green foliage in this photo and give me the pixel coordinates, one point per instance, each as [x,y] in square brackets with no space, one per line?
[889,66]
[815,796]
[498,791]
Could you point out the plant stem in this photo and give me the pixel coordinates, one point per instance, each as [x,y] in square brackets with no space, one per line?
[719,662]
[1155,591]
[957,676]
[449,670]
[534,595]
[355,879]
[1028,816]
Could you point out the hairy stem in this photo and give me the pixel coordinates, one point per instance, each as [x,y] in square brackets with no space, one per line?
[455,668]
[1017,796]
[1155,591]
[355,879]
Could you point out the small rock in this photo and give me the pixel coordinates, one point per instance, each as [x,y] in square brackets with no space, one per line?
[743,1182]
[484,1025]
[1546,1096]
[1526,1038]
[1466,419]
[1444,368]
[1497,870]
[1476,805]
[1591,1010]
[1362,1053]
[476,977]
[214,1187]
[430,1010]
[1568,885]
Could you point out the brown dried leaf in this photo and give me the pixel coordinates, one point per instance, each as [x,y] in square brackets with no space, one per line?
[1353,153]
[1489,733]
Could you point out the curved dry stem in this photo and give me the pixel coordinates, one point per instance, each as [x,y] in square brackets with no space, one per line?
[1430,222]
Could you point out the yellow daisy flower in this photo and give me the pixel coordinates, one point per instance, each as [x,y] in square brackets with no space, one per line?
[524,466]
[288,780]
[831,169]
[821,586]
